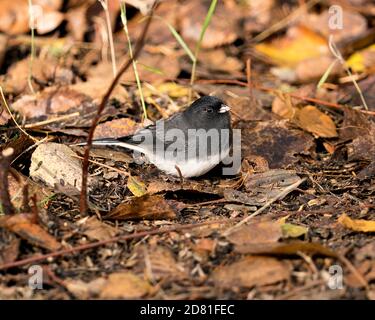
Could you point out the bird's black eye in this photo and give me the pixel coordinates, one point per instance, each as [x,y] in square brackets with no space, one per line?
[209,110]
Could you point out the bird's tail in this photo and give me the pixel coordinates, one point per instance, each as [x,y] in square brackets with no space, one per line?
[112,142]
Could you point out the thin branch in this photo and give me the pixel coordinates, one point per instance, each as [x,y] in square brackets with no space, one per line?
[39,258]
[281,195]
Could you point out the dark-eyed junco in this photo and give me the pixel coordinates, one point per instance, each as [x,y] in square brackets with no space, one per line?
[192,142]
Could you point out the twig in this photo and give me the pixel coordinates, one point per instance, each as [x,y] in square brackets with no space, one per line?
[48,121]
[335,51]
[124,67]
[5,160]
[38,258]
[11,114]
[105,166]
[281,195]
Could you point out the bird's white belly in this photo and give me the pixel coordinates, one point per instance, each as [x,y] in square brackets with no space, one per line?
[191,168]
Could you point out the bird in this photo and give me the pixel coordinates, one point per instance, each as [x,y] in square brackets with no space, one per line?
[187,144]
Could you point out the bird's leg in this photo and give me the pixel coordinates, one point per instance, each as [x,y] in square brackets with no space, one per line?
[179,174]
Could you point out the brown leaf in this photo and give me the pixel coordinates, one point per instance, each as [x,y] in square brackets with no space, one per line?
[97,230]
[124,285]
[50,101]
[274,141]
[290,248]
[314,68]
[159,262]
[251,271]
[151,207]
[256,232]
[355,25]
[313,120]
[15,189]
[116,128]
[359,225]
[44,70]
[223,28]
[23,225]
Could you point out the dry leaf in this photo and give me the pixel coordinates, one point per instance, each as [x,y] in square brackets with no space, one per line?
[359,225]
[251,271]
[24,226]
[158,262]
[256,232]
[354,24]
[97,230]
[151,207]
[116,128]
[313,120]
[299,43]
[50,101]
[293,231]
[124,285]
[136,187]
[274,141]
[290,248]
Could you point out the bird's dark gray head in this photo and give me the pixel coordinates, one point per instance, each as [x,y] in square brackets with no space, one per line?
[209,112]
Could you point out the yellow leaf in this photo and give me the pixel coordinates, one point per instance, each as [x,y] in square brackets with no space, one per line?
[172,89]
[361,60]
[357,224]
[293,231]
[300,43]
[136,187]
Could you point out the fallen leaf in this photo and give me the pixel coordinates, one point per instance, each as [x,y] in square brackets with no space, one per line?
[116,128]
[97,230]
[293,231]
[85,290]
[250,272]
[355,24]
[44,70]
[23,225]
[256,232]
[314,68]
[288,249]
[224,28]
[313,120]
[274,141]
[151,207]
[136,187]
[299,43]
[359,225]
[158,262]
[124,285]
[50,101]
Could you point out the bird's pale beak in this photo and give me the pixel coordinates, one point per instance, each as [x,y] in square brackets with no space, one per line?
[224,108]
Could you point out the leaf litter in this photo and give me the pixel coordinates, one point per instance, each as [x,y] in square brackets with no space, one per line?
[291,131]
